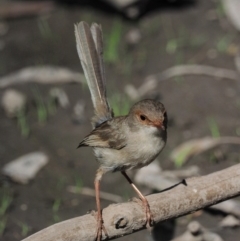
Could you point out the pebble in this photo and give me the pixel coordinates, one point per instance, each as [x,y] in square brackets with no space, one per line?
[60,96]
[12,102]
[231,206]
[25,168]
[230,222]
[78,116]
[196,232]
[133,36]
[231,10]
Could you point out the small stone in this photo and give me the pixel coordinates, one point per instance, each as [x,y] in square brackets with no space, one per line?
[196,232]
[79,112]
[13,102]
[230,222]
[231,9]
[133,36]
[194,228]
[132,12]
[60,96]
[230,206]
[25,168]
[131,91]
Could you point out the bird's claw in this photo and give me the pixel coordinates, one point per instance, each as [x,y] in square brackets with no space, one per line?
[100,228]
[149,218]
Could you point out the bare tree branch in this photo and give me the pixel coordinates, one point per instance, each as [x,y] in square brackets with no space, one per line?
[125,218]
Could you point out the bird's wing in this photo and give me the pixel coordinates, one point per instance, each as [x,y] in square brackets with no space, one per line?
[106,135]
[90,51]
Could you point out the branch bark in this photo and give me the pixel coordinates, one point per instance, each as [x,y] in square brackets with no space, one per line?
[125,218]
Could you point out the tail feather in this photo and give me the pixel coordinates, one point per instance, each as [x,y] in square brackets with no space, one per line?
[90,51]
[96,31]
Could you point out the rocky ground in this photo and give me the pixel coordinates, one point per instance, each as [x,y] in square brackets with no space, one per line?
[198,105]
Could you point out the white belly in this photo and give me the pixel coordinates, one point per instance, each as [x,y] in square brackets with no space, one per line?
[141,149]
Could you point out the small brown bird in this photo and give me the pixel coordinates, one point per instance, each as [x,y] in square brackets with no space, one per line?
[119,143]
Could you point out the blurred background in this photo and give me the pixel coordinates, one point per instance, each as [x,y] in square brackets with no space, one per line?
[184,53]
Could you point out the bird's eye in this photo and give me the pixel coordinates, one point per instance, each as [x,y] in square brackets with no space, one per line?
[142,117]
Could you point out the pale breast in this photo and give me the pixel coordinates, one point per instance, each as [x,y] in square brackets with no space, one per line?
[141,149]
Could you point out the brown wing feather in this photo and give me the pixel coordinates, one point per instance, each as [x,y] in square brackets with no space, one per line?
[106,135]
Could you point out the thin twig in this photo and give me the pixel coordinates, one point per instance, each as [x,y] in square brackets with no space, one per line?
[42,75]
[195,69]
[150,83]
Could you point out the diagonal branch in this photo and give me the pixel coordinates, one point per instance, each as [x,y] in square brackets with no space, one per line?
[125,218]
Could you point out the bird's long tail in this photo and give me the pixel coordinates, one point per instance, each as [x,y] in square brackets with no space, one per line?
[90,51]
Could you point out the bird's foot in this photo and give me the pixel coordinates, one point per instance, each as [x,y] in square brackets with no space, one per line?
[149,216]
[100,228]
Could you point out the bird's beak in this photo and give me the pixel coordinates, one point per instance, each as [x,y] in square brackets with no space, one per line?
[159,125]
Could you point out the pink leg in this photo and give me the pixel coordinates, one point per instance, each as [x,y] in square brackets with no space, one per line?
[144,200]
[100,225]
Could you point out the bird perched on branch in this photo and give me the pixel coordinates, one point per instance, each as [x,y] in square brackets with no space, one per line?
[119,143]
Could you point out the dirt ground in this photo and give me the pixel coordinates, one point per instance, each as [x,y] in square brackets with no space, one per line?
[196,34]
